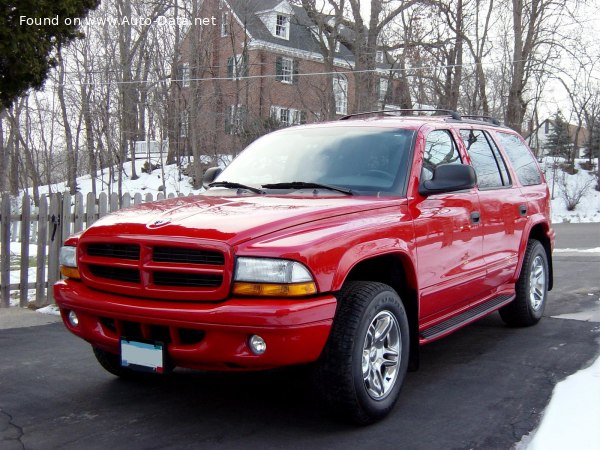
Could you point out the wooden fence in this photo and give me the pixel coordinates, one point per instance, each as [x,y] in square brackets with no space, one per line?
[56,217]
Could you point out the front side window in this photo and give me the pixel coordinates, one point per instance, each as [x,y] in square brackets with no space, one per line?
[364,160]
[521,159]
[440,148]
[340,92]
[487,161]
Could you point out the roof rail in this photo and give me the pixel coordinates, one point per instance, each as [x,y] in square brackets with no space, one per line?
[452,114]
[485,118]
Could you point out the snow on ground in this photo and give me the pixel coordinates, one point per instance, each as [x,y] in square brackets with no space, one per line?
[572,419]
[588,210]
[51,310]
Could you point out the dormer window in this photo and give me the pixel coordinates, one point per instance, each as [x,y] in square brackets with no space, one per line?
[282,26]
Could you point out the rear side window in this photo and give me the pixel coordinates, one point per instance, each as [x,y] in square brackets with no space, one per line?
[440,148]
[521,159]
[486,159]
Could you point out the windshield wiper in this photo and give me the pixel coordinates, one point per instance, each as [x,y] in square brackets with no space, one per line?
[234,185]
[307,185]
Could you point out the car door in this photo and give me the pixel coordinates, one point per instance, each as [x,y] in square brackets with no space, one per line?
[448,237]
[503,208]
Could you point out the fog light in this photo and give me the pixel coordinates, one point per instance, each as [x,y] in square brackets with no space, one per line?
[257,344]
[73,319]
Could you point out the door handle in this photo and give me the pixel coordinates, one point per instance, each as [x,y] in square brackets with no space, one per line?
[475,217]
[523,210]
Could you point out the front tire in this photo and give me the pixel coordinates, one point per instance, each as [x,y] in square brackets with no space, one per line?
[364,363]
[531,289]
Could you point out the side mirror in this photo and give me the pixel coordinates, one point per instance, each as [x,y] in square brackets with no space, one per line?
[449,178]
[210,175]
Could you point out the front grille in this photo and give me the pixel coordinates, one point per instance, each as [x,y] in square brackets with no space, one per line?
[172,269]
[187,279]
[187,255]
[119,251]
[116,273]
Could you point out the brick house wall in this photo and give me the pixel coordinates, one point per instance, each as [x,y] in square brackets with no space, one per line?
[221,112]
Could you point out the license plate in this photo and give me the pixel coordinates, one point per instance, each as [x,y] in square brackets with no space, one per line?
[143,356]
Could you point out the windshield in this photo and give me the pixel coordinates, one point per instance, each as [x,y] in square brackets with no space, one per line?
[364,160]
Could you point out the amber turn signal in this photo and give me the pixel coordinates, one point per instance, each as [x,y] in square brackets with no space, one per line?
[274,290]
[70,272]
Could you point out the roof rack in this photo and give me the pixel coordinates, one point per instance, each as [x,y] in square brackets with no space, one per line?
[485,118]
[453,114]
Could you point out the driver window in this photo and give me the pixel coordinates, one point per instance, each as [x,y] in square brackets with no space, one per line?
[440,148]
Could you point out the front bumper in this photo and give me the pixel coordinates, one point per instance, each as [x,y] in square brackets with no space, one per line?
[203,335]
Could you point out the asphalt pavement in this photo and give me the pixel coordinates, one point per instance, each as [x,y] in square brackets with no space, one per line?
[483,387]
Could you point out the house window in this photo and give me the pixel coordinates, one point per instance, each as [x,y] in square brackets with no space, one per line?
[286,70]
[340,92]
[224,24]
[546,127]
[185,124]
[184,75]
[379,57]
[237,66]
[288,116]
[383,89]
[282,26]
[235,120]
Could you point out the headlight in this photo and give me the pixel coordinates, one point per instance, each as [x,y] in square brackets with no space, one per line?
[67,259]
[272,278]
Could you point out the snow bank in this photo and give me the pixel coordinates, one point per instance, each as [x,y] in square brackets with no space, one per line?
[572,419]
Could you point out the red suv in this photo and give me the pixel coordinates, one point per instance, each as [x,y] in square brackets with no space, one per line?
[346,245]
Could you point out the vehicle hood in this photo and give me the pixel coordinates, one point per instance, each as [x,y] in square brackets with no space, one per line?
[232,220]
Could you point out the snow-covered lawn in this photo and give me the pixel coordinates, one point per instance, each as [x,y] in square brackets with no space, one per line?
[588,210]
[572,419]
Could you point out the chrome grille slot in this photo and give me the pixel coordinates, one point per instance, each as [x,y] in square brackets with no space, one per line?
[116,273]
[187,255]
[187,279]
[119,251]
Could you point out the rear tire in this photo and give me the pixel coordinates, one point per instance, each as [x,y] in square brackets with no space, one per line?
[363,365]
[531,289]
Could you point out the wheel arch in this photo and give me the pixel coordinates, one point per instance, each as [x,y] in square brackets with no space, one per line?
[397,271]
[540,232]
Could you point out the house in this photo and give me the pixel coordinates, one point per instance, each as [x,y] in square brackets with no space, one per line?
[538,137]
[261,67]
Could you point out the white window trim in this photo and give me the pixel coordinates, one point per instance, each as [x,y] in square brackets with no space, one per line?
[185,75]
[287,73]
[340,91]
[383,92]
[225,24]
[185,124]
[236,118]
[238,66]
[285,26]
[294,116]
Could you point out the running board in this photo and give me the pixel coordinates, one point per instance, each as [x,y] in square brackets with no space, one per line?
[464,318]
